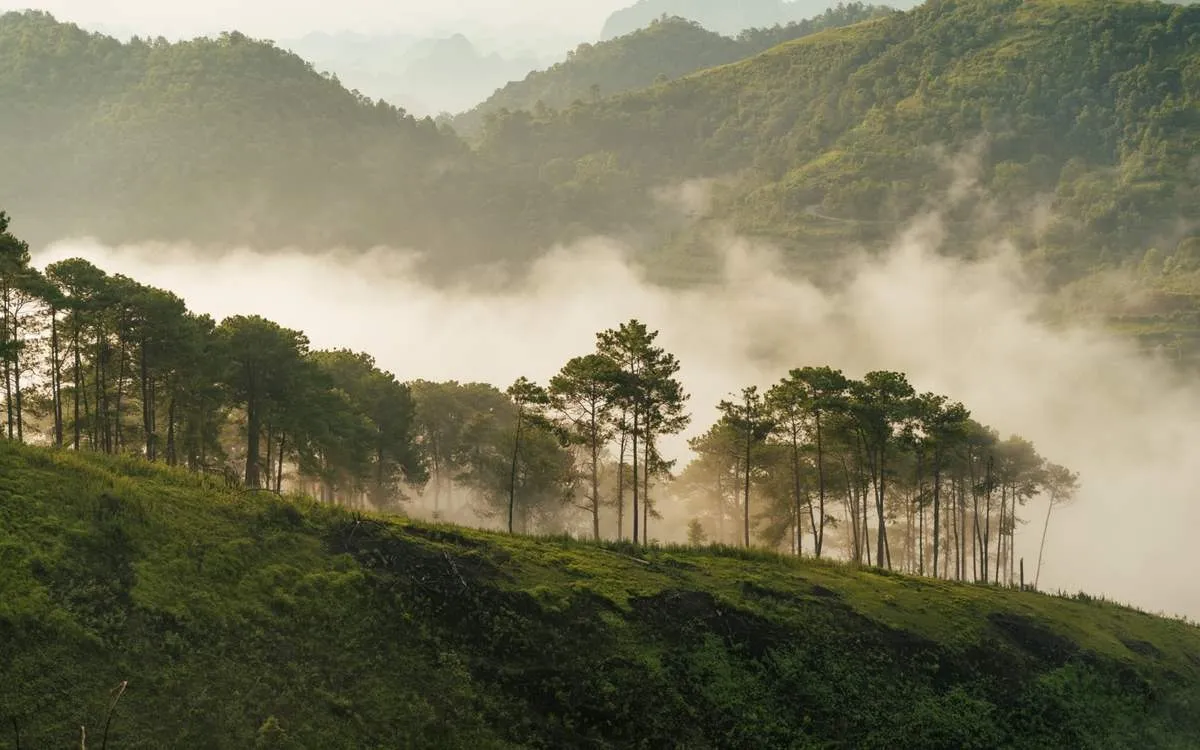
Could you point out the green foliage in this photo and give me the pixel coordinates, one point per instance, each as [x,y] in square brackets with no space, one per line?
[845,134]
[1087,108]
[936,492]
[275,623]
[665,50]
[217,140]
[120,367]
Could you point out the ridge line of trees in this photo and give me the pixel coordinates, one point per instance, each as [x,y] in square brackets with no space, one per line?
[898,479]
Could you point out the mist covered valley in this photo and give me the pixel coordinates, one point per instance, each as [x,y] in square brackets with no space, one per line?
[776,378]
[977,331]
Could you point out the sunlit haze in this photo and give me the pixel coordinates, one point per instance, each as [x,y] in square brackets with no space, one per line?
[967,329]
[274,19]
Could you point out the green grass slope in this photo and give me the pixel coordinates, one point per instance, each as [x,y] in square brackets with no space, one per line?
[247,621]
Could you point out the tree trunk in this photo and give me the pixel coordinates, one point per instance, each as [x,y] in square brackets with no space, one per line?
[649,449]
[1000,535]
[56,379]
[436,451]
[746,497]
[147,403]
[636,506]
[512,487]
[721,538]
[863,493]
[101,404]
[976,539]
[937,512]
[799,545]
[986,539]
[268,462]
[253,430]
[881,534]
[852,512]
[954,531]
[595,445]
[1037,575]
[16,343]
[380,459]
[1012,538]
[78,375]
[621,485]
[279,468]
[819,528]
[8,343]
[118,427]
[172,458]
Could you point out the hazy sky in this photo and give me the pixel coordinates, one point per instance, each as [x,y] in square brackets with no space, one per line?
[278,19]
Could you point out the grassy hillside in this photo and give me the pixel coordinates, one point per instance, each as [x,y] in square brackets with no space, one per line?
[666,49]
[246,621]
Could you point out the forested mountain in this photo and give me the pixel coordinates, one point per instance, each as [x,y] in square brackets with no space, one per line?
[1081,119]
[428,76]
[668,48]
[1086,109]
[721,16]
[224,140]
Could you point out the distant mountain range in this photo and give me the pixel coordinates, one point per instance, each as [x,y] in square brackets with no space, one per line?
[665,50]
[1080,116]
[426,76]
[722,16]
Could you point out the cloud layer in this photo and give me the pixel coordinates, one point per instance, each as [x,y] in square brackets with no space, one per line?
[970,330]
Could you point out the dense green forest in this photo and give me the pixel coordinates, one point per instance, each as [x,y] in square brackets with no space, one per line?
[226,140]
[1080,118]
[666,49]
[1087,109]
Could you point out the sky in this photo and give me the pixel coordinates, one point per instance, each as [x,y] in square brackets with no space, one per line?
[279,19]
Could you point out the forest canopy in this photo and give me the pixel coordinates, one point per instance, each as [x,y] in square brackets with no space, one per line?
[666,49]
[1068,128]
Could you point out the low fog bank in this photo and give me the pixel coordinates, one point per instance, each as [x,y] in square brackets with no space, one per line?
[970,330]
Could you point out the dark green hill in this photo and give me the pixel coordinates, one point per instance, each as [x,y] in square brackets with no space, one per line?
[1087,108]
[241,620]
[1082,116]
[226,140]
[666,49]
